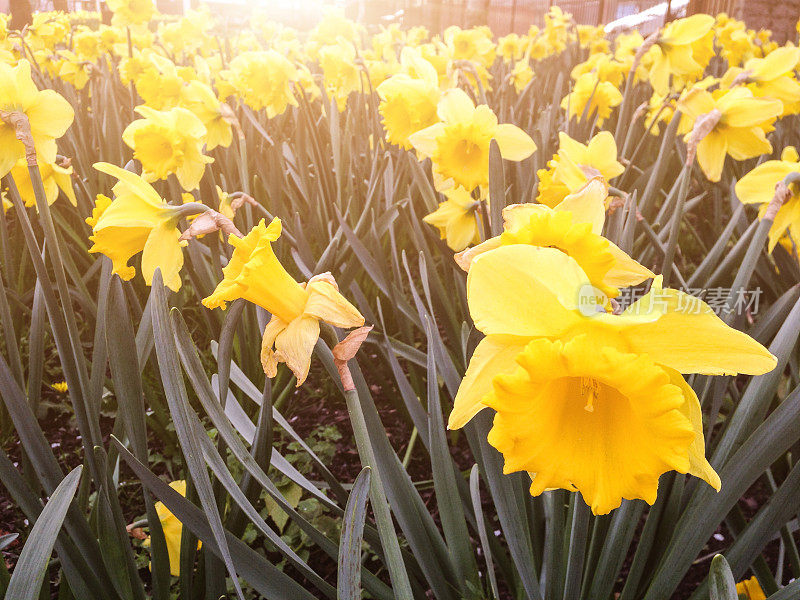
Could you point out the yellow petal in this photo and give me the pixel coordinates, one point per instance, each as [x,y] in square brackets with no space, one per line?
[626,271]
[690,338]
[163,250]
[699,465]
[758,186]
[455,106]
[514,143]
[295,344]
[711,152]
[524,290]
[326,303]
[494,355]
[587,205]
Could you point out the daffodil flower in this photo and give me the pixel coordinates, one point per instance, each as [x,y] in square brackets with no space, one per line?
[173,530]
[758,187]
[673,50]
[587,400]
[408,104]
[48,113]
[770,77]
[590,95]
[264,80]
[736,121]
[131,12]
[201,100]
[576,164]
[55,178]
[255,274]
[573,227]
[458,146]
[168,142]
[456,219]
[138,220]
[750,589]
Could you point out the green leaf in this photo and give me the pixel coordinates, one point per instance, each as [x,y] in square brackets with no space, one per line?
[722,584]
[31,568]
[348,580]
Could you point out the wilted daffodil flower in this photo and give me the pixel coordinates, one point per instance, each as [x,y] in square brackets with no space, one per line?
[459,145]
[590,96]
[48,113]
[168,142]
[54,178]
[573,227]
[255,274]
[138,220]
[586,400]
[758,187]
[727,122]
[457,218]
[576,164]
[673,53]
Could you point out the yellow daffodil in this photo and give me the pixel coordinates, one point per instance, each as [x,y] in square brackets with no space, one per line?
[54,177]
[5,202]
[771,77]
[575,164]
[264,80]
[736,120]
[255,274]
[591,96]
[750,589]
[521,75]
[201,100]
[173,530]
[474,45]
[457,219]
[168,142]
[131,12]
[60,387]
[758,187]
[673,50]
[48,113]
[605,68]
[574,227]
[86,45]
[138,220]
[408,103]
[512,47]
[458,146]
[590,401]
[340,71]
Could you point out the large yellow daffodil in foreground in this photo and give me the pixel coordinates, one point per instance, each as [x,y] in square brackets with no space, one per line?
[758,187]
[138,220]
[48,113]
[574,227]
[593,403]
[459,145]
[255,274]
